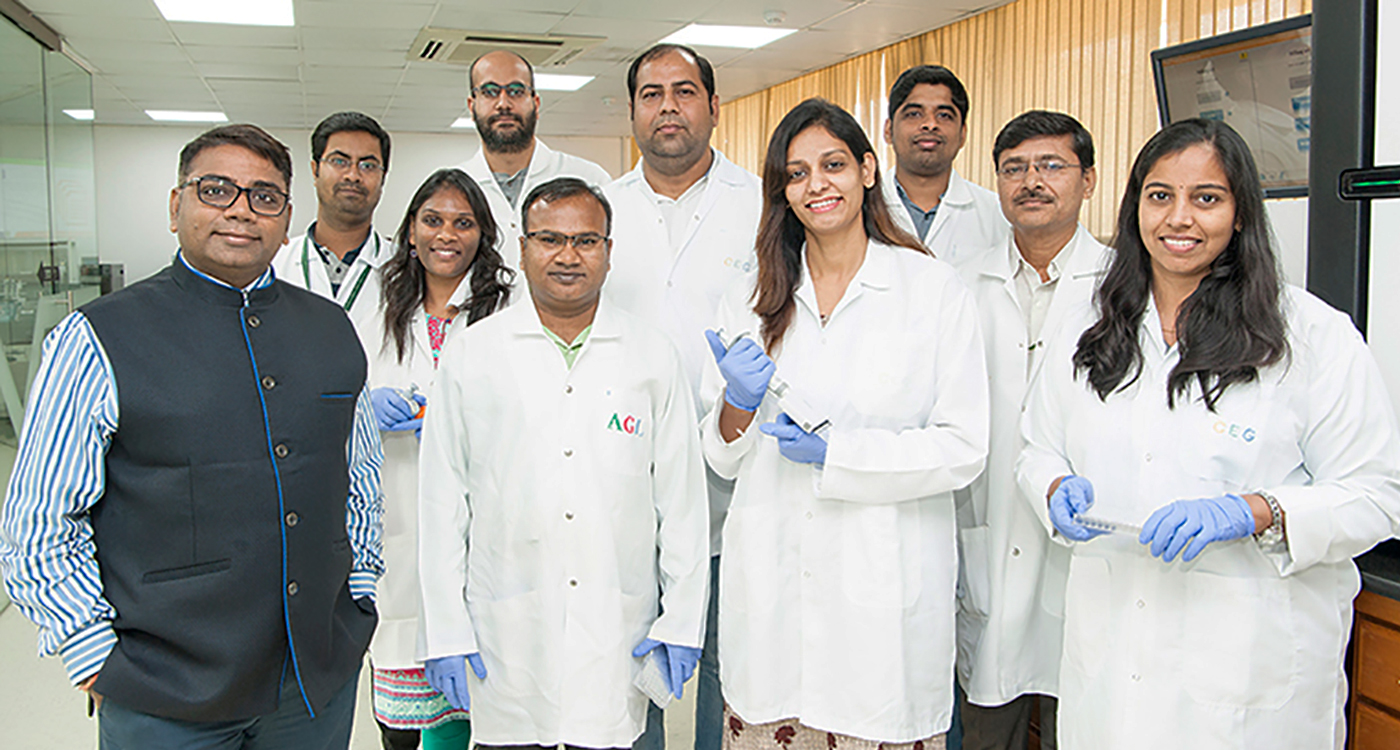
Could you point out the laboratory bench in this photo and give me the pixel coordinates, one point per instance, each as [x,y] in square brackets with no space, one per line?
[1374,674]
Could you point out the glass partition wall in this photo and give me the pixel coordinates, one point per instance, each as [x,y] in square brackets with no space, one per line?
[47,211]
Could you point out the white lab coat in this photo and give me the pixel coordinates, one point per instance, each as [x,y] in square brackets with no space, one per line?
[1242,647]
[1011,593]
[545,165]
[680,291]
[553,504]
[837,583]
[298,263]
[969,219]
[395,639]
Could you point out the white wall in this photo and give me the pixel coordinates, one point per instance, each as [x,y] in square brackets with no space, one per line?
[1289,219]
[136,166]
[1383,324]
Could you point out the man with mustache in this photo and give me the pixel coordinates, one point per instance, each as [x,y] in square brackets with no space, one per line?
[512,161]
[928,198]
[686,222]
[1011,592]
[340,254]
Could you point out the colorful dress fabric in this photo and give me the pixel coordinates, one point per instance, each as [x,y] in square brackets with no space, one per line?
[437,332]
[787,734]
[403,699]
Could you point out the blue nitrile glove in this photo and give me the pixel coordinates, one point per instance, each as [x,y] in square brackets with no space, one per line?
[448,675]
[746,370]
[796,444]
[1074,496]
[395,413]
[1199,522]
[677,662]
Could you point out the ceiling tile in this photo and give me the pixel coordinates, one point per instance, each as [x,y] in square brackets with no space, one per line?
[203,54]
[108,8]
[350,76]
[101,26]
[869,27]
[796,15]
[360,14]
[357,57]
[352,40]
[225,34]
[511,21]
[677,11]
[136,68]
[250,70]
[115,50]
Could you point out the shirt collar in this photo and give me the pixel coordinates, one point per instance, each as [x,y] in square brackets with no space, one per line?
[265,280]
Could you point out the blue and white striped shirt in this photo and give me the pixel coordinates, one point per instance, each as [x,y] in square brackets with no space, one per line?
[46,546]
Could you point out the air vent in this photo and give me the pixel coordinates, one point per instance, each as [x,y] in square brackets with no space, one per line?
[459,47]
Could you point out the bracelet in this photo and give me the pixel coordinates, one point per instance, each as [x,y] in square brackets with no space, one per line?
[1274,533]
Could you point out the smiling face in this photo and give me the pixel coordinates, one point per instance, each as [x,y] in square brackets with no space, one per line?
[1043,201]
[231,244]
[565,280]
[351,193]
[672,116]
[926,132]
[446,234]
[1186,213]
[826,183]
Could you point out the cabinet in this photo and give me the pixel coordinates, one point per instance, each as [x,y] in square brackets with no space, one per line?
[1375,674]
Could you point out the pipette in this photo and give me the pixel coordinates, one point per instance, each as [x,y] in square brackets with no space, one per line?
[789,401]
[1100,524]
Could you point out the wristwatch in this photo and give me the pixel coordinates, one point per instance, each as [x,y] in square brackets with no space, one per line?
[1273,535]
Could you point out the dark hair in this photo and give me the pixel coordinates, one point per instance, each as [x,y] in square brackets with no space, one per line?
[560,188]
[471,70]
[405,283]
[1039,123]
[707,71]
[781,234]
[1231,325]
[251,137]
[342,122]
[936,75]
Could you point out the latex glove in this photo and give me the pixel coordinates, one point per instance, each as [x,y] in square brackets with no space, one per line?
[448,675]
[746,370]
[1193,524]
[1075,495]
[677,662]
[796,444]
[393,412]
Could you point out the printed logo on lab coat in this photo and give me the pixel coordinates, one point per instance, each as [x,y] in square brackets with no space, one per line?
[1236,431]
[626,424]
[741,264]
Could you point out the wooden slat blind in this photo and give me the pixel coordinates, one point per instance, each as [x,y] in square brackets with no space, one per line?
[1089,58]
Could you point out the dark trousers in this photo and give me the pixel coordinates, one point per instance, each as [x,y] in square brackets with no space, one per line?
[1007,727]
[289,727]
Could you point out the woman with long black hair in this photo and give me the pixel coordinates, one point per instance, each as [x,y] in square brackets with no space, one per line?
[1243,425]
[445,274]
[840,560]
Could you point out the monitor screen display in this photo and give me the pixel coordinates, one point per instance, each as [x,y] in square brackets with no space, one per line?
[1259,81]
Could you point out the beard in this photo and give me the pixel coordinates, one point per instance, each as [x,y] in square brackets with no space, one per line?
[510,142]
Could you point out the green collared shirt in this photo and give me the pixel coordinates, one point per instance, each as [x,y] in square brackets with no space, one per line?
[570,351]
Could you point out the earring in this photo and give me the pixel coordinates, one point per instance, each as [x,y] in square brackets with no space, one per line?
[412,253]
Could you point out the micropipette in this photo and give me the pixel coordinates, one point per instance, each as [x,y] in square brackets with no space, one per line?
[792,404]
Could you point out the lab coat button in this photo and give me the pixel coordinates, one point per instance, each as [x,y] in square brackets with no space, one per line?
[1137,677]
[568,516]
[293,588]
[573,582]
[568,388]
[568,452]
[806,574]
[1148,458]
[1141,604]
[293,519]
[809,515]
[254,321]
[269,382]
[281,450]
[1015,551]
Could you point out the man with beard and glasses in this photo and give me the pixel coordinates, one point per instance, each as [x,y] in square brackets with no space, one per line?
[686,222]
[512,161]
[340,254]
[927,125]
[1011,592]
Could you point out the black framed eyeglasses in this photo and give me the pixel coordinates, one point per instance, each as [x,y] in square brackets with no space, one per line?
[221,193]
[583,242]
[494,90]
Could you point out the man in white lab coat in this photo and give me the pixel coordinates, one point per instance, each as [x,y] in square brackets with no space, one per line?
[561,488]
[1011,596]
[686,221]
[512,161]
[340,254]
[928,198]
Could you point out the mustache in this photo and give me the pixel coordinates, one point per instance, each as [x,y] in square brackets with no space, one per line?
[493,119]
[1033,195]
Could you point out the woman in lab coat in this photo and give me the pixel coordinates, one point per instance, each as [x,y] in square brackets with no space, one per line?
[445,274]
[837,582]
[1244,425]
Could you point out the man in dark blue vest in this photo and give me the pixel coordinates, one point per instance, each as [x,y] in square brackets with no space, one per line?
[194,517]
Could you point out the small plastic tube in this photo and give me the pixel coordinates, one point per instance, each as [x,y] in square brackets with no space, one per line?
[1099,524]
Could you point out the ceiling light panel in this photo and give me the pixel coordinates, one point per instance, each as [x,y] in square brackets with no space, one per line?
[176,115]
[743,37]
[558,82]
[464,121]
[80,114]
[243,13]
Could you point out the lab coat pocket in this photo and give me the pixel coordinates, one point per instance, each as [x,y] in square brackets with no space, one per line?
[1240,641]
[623,435]
[1087,594]
[879,556]
[974,576]
[883,386]
[1217,451]
[514,645]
